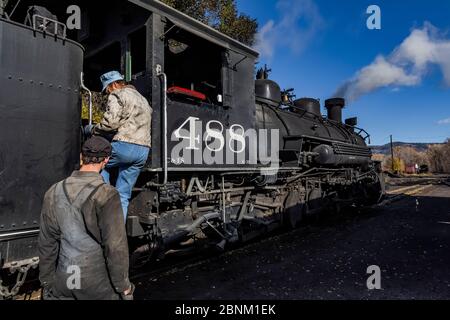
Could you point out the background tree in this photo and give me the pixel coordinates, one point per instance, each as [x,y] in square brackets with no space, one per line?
[222,15]
[399,165]
[410,155]
[439,157]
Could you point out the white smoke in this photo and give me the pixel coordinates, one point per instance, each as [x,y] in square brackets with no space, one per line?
[444,121]
[407,65]
[299,22]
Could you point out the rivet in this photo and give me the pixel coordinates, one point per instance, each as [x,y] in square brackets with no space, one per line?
[20,79]
[50,85]
[13,225]
[2,226]
[41,83]
[25,223]
[31,81]
[59,87]
[10,77]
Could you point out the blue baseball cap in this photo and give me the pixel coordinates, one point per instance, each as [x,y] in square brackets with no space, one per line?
[109,78]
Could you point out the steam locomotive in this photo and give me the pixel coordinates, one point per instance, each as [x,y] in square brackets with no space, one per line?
[232,157]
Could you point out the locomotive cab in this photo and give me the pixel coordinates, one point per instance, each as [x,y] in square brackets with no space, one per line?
[193,67]
[180,65]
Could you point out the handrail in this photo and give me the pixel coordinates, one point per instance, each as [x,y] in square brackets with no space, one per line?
[161,74]
[90,97]
[363,131]
[45,22]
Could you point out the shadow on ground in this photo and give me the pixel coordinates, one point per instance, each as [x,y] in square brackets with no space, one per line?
[409,240]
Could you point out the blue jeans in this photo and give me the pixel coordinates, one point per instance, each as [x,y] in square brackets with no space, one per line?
[129,159]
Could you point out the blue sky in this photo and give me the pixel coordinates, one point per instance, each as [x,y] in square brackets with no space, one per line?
[315,46]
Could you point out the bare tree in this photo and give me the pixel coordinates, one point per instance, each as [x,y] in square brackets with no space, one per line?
[410,155]
[439,157]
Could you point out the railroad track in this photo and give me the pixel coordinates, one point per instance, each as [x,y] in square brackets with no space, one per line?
[172,263]
[400,193]
[163,267]
[171,268]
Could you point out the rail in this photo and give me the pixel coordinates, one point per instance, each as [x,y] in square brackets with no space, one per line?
[41,23]
[360,131]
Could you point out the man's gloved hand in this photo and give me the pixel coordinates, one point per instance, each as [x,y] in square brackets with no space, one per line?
[88,129]
[128,295]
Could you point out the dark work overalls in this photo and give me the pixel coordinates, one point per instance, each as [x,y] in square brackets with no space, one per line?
[81,269]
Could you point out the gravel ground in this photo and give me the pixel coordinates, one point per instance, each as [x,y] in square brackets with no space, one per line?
[408,239]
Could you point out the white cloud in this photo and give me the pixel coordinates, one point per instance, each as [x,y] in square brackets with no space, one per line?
[444,121]
[407,65]
[299,22]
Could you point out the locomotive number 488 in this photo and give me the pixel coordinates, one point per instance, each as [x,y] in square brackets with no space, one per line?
[233,146]
[214,136]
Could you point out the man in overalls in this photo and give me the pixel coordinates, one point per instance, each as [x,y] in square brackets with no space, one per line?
[83,247]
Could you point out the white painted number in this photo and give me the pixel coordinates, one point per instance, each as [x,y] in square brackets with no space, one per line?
[193,139]
[216,134]
[237,135]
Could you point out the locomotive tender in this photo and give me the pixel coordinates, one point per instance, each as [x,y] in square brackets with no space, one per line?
[231,157]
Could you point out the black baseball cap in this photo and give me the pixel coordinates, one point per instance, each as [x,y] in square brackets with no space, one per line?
[96,147]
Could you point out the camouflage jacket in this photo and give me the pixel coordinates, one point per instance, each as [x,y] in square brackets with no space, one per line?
[128,116]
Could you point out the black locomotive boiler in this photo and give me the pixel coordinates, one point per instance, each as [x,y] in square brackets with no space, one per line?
[232,157]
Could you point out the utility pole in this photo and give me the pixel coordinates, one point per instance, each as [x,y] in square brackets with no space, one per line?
[392,155]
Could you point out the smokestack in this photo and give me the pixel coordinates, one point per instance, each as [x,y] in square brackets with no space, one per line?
[334,107]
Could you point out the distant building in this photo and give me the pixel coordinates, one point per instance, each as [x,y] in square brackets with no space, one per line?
[411,168]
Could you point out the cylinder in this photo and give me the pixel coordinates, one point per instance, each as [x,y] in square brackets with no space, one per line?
[334,107]
[309,104]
